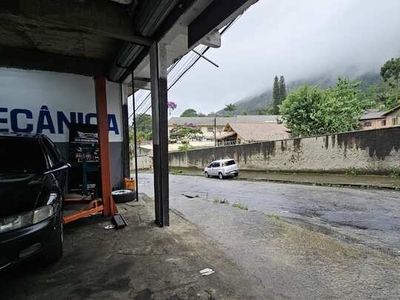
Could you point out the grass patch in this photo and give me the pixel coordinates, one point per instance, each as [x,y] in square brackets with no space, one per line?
[220,200]
[274,216]
[395,174]
[351,172]
[240,205]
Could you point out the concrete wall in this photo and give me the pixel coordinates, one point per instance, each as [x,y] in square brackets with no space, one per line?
[144,162]
[369,151]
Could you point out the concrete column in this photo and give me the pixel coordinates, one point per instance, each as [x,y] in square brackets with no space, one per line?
[158,71]
[125,126]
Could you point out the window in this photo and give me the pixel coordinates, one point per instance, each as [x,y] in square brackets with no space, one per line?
[384,123]
[52,151]
[210,129]
[367,124]
[21,155]
[394,121]
[230,162]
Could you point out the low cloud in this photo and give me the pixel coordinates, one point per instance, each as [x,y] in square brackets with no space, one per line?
[297,39]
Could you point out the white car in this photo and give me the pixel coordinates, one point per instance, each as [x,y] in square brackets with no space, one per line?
[222,168]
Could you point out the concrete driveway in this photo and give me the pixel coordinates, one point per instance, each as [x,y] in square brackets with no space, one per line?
[295,241]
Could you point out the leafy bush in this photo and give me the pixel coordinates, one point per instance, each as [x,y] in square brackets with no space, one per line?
[351,172]
[395,174]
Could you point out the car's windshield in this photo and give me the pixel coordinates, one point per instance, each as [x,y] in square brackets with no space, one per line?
[21,155]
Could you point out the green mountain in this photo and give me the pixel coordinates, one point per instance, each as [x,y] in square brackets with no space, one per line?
[253,104]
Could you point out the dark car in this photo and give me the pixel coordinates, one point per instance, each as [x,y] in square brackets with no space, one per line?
[32,180]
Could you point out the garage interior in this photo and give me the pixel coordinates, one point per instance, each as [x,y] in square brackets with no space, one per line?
[130,42]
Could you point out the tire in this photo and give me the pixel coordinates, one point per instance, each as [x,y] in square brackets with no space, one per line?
[206,175]
[236,174]
[220,176]
[122,196]
[54,253]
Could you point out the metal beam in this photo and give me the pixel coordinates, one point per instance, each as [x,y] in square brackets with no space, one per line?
[37,60]
[217,13]
[102,124]
[99,17]
[158,71]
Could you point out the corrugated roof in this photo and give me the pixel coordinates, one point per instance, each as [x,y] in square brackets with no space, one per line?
[260,131]
[368,115]
[376,114]
[222,121]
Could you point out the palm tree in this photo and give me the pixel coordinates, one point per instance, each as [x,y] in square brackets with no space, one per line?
[230,108]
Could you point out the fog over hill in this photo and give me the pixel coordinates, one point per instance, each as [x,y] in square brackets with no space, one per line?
[253,103]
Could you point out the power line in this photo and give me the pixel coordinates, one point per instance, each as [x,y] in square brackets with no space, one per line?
[188,61]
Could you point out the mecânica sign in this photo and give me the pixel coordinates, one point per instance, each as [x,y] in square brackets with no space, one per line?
[49,102]
[43,121]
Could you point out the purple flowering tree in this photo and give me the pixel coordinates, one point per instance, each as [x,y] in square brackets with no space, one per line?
[171,106]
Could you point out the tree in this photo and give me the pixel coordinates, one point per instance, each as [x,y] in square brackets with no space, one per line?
[282,90]
[144,129]
[230,108]
[264,110]
[171,106]
[185,132]
[275,96]
[301,111]
[190,112]
[314,111]
[390,73]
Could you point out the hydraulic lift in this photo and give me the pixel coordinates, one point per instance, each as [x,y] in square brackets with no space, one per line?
[106,205]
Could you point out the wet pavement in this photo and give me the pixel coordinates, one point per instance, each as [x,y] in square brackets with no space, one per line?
[298,241]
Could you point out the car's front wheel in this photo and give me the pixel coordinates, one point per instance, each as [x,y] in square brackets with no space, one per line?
[206,175]
[220,175]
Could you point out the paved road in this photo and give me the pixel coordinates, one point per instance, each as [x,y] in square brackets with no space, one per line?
[299,242]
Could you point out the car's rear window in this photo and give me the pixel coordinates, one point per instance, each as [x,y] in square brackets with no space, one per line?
[230,162]
[21,155]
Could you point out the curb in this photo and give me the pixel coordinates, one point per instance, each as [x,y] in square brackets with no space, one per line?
[327,184]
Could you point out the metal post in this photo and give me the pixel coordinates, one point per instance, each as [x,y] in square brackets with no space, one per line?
[158,71]
[102,125]
[135,138]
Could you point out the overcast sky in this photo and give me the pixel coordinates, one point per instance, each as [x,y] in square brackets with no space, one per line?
[296,39]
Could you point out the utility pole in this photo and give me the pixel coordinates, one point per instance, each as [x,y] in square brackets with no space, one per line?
[215,132]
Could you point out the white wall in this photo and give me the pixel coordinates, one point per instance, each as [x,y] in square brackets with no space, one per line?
[26,95]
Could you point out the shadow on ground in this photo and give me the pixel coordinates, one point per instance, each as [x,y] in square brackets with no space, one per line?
[139,262]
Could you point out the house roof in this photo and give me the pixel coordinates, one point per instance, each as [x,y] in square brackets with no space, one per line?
[259,132]
[222,121]
[392,110]
[376,114]
[372,114]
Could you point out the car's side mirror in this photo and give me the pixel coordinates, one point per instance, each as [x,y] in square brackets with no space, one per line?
[58,167]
